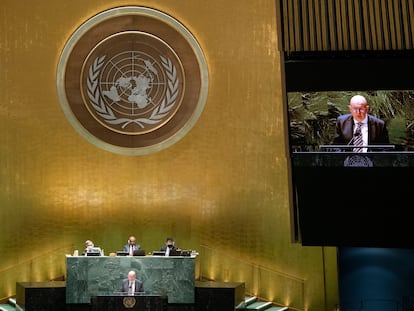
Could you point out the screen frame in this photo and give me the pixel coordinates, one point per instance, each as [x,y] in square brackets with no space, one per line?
[349,71]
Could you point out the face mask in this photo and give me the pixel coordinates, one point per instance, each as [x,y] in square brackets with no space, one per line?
[170,246]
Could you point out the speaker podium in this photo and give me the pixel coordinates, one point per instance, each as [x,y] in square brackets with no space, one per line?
[131,303]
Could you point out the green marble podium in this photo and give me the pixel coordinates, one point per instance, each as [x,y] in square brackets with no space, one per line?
[87,277]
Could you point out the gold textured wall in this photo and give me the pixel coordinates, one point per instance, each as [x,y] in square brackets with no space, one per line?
[223,189]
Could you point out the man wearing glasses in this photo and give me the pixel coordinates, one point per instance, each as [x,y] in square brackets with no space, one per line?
[359,129]
[132,285]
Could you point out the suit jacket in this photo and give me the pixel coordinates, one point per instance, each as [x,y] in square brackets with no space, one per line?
[139,286]
[164,248]
[377,130]
[135,247]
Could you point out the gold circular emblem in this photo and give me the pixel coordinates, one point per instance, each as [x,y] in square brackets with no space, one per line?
[132,80]
[129,302]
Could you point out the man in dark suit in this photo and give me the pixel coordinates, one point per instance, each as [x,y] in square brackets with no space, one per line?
[169,248]
[359,124]
[169,243]
[131,285]
[131,246]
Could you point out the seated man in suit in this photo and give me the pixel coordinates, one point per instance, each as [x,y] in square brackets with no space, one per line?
[91,249]
[88,247]
[132,285]
[131,246]
[169,246]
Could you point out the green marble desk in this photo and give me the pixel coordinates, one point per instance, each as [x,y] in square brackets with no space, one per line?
[87,277]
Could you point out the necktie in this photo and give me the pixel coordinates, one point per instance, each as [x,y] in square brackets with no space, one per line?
[358,138]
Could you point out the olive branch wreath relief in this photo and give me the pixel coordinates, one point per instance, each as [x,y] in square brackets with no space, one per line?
[107,113]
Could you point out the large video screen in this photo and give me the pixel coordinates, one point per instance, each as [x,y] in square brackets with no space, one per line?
[343,198]
[313,116]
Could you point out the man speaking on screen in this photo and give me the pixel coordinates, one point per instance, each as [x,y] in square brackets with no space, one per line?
[359,129]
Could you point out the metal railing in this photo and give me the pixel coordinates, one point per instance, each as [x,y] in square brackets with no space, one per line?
[265,283]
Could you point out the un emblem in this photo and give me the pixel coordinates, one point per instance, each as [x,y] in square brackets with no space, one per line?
[358,161]
[125,87]
[129,302]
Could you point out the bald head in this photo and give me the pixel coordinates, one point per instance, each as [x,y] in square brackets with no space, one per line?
[358,107]
[358,100]
[132,275]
